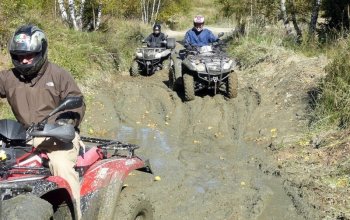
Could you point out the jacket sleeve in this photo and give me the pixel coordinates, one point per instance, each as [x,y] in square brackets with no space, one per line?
[187,39]
[69,88]
[149,39]
[163,36]
[211,37]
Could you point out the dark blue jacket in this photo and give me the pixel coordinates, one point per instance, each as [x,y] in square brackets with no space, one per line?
[202,38]
[155,40]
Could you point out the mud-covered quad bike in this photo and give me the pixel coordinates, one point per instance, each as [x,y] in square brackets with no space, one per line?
[206,67]
[150,59]
[108,190]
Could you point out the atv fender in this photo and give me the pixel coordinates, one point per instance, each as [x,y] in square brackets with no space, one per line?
[165,53]
[102,184]
[107,171]
[189,65]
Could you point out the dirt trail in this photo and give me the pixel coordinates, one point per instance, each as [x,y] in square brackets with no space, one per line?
[213,153]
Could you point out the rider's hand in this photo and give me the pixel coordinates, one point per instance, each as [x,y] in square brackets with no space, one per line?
[189,47]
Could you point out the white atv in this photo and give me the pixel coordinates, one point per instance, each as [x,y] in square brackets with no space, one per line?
[148,60]
[206,67]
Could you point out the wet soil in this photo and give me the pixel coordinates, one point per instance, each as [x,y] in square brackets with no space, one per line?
[214,155]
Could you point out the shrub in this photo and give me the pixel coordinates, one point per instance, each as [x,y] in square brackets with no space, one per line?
[333,104]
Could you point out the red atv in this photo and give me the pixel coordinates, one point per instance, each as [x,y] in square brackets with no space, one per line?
[110,176]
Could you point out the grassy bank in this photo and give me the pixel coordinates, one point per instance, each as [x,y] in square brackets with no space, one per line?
[317,165]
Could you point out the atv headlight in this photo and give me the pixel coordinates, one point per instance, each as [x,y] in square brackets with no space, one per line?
[227,66]
[200,67]
[158,55]
[3,155]
[214,68]
[138,54]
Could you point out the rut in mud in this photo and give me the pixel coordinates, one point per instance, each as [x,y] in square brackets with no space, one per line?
[212,153]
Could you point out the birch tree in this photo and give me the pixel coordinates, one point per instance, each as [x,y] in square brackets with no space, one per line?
[314,16]
[285,17]
[78,13]
[295,23]
[73,19]
[99,15]
[63,10]
[150,10]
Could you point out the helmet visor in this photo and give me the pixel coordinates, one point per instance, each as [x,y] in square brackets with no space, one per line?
[24,44]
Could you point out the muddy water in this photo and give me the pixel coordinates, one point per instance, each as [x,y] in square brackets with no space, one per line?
[208,168]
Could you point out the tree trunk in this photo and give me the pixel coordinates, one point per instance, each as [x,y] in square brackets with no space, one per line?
[63,10]
[79,17]
[71,7]
[285,17]
[99,14]
[314,16]
[142,14]
[145,11]
[93,17]
[295,23]
[152,14]
[155,18]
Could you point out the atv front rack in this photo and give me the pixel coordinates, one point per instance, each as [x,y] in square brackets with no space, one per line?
[107,144]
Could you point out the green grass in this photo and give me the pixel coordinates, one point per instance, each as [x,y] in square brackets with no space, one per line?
[333,104]
[256,46]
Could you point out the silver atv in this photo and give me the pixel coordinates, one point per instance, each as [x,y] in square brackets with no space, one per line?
[206,67]
[148,60]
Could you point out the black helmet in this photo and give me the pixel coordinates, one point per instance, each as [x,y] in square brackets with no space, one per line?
[157,28]
[28,39]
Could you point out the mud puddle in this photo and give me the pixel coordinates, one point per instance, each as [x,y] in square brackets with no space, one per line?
[208,170]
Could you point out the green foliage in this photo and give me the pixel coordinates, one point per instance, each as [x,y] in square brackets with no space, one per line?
[121,39]
[337,13]
[333,104]
[122,8]
[256,46]
[174,8]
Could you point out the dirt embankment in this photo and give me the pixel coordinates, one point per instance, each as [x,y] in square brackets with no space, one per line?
[213,154]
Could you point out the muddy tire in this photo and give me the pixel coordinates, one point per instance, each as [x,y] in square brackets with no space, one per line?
[166,64]
[63,213]
[188,87]
[172,80]
[26,207]
[232,85]
[133,205]
[134,71]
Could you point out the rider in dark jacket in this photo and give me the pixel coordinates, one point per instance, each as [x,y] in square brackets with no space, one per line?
[156,38]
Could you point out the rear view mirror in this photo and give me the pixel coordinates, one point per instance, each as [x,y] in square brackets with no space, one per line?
[68,103]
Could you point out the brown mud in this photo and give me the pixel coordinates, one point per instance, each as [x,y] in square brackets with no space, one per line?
[214,155]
